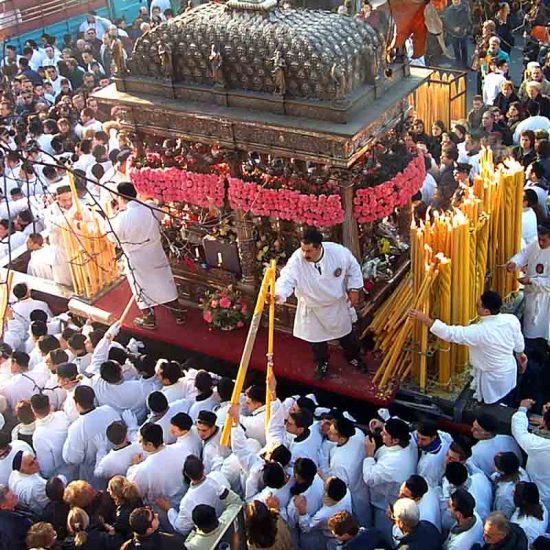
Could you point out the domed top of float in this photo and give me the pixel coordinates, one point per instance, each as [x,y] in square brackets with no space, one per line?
[260,47]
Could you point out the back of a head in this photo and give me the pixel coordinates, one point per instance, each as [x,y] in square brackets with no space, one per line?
[20,290]
[343,523]
[21,358]
[48,343]
[67,370]
[256,394]
[171,370]
[116,432]
[38,329]
[40,404]
[204,518]
[225,388]
[492,301]
[417,486]
[84,396]
[193,468]
[344,427]
[499,522]
[533,108]
[305,468]
[273,475]
[157,402]
[182,421]
[203,381]
[152,433]
[335,488]
[463,502]
[127,190]
[77,341]
[456,473]
[111,372]
[282,455]
[406,511]
[38,315]
[140,521]
[304,402]
[312,236]
[427,428]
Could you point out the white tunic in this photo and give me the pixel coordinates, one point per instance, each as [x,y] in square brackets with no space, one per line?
[386,471]
[181,405]
[320,519]
[41,263]
[538,453]
[80,448]
[324,312]
[147,269]
[6,462]
[536,263]
[207,404]
[30,490]
[503,500]
[48,438]
[188,444]
[125,395]
[492,343]
[314,501]
[532,526]
[484,451]
[431,466]
[116,461]
[159,475]
[208,491]
[22,309]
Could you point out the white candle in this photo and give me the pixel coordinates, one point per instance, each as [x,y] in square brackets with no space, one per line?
[220,258]
[197,253]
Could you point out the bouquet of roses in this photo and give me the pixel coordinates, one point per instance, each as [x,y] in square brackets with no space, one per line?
[224,309]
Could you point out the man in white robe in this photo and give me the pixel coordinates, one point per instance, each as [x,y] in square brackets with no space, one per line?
[492,344]
[327,280]
[26,483]
[136,229]
[80,447]
[8,450]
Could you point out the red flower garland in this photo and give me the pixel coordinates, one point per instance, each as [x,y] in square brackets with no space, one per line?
[177,185]
[375,203]
[286,204]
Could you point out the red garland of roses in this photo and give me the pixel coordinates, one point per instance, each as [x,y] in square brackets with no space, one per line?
[375,203]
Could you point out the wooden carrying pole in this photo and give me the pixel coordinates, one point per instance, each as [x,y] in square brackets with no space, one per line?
[126,309]
[247,352]
[5,292]
[270,335]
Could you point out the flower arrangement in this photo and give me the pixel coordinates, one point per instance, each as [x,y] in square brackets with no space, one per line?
[375,203]
[269,247]
[224,309]
[174,184]
[286,204]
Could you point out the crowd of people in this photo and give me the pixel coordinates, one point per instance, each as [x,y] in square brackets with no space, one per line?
[105,447]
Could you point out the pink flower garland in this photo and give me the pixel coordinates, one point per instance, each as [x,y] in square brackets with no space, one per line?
[174,184]
[286,204]
[375,203]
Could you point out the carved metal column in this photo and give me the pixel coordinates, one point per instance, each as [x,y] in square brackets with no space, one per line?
[350,231]
[244,229]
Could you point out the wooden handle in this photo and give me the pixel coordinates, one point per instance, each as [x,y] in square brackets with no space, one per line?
[126,310]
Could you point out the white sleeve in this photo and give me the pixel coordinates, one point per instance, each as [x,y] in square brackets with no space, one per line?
[183,522]
[44,454]
[375,473]
[73,448]
[520,430]
[238,445]
[522,257]
[457,334]
[99,356]
[354,274]
[286,283]
[276,427]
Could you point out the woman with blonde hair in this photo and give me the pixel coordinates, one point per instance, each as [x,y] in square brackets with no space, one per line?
[96,504]
[505,96]
[83,535]
[126,496]
[41,535]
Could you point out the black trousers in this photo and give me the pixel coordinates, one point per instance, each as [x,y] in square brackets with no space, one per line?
[173,306]
[350,345]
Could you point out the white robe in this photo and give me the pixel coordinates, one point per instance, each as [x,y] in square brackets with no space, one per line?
[431,466]
[147,268]
[41,263]
[188,444]
[80,448]
[116,461]
[30,490]
[484,451]
[492,343]
[48,438]
[464,540]
[314,501]
[324,312]
[6,462]
[181,405]
[159,475]
[532,526]
[536,263]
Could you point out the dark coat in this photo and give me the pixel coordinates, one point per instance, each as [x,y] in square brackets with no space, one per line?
[122,517]
[156,541]
[516,540]
[13,530]
[424,537]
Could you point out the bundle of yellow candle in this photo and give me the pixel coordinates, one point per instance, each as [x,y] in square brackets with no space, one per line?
[452,254]
[441,98]
[91,256]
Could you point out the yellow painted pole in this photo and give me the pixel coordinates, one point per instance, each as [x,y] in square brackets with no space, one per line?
[247,352]
[270,335]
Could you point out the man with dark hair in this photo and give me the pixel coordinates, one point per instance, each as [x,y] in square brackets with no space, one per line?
[385,469]
[136,228]
[144,524]
[468,527]
[79,448]
[494,344]
[432,445]
[327,281]
[345,529]
[417,489]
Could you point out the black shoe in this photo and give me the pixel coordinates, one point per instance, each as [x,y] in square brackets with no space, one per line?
[358,364]
[321,371]
[145,322]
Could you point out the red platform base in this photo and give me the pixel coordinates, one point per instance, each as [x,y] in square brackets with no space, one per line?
[293,361]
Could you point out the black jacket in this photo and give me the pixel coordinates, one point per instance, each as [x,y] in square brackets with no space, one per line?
[156,541]
[96,539]
[13,529]
[122,517]
[516,540]
[424,537]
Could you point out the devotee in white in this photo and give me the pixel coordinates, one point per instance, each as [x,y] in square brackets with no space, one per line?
[326,279]
[26,483]
[534,260]
[136,228]
[492,344]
